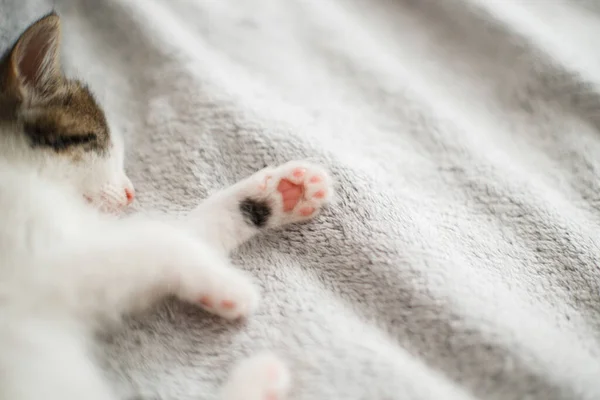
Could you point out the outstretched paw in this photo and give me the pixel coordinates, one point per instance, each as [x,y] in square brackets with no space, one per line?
[223,291]
[262,377]
[293,192]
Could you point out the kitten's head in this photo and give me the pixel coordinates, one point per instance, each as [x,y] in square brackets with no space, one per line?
[54,124]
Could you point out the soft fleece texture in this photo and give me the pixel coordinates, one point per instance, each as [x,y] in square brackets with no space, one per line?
[461,258]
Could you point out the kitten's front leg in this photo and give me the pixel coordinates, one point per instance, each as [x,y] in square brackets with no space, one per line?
[273,197]
[132,263]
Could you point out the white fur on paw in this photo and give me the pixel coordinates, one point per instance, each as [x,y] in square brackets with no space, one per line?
[224,291]
[296,191]
[261,377]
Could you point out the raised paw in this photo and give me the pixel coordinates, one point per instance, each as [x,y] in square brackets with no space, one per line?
[261,377]
[292,192]
[223,291]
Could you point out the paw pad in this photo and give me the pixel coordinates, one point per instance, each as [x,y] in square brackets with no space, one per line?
[206,302]
[299,172]
[307,211]
[320,194]
[294,192]
[230,308]
[304,189]
[228,304]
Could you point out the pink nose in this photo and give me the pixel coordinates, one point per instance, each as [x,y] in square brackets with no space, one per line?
[130,194]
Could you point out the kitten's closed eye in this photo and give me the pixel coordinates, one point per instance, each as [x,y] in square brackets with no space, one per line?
[41,137]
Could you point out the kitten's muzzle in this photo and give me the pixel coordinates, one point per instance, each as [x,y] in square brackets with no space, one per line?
[112,200]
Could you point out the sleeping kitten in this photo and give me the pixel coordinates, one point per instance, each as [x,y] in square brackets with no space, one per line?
[67,269]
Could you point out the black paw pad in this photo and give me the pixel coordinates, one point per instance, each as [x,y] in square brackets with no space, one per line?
[255,212]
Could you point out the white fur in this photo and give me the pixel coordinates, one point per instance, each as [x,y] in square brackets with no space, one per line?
[66,269]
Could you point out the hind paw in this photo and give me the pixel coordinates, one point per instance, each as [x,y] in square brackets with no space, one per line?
[262,377]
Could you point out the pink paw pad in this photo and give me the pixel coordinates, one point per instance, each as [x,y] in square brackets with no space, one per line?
[291,194]
[299,172]
[320,194]
[228,304]
[206,301]
[306,211]
[304,189]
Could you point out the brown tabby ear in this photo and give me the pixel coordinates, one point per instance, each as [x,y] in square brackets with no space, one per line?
[34,61]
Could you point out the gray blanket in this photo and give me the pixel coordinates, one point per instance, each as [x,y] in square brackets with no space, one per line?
[461,257]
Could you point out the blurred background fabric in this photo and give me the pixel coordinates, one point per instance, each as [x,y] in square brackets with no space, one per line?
[461,259]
